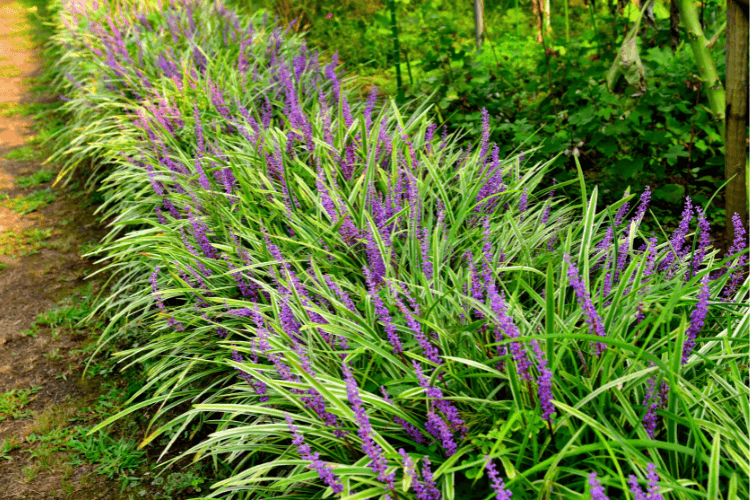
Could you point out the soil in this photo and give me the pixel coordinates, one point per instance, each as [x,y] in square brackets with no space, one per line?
[41,267]
[34,274]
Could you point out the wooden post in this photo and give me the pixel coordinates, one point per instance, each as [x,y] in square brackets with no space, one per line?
[479,22]
[735,145]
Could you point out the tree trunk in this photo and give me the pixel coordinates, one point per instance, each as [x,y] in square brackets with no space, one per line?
[674,25]
[479,22]
[396,52]
[736,144]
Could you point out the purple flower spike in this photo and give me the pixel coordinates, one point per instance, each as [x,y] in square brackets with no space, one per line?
[653,486]
[378,462]
[548,206]
[584,301]
[544,382]
[423,489]
[645,199]
[497,482]
[704,241]
[325,471]
[597,490]
[697,318]
[739,265]
[653,483]
[485,134]
[425,247]
[410,430]
[651,402]
[523,204]
[678,237]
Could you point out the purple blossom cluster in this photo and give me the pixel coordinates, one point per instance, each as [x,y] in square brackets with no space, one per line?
[443,419]
[596,488]
[652,493]
[423,484]
[590,314]
[324,470]
[697,319]
[498,486]
[378,461]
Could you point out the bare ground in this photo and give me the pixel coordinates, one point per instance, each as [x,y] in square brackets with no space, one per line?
[40,263]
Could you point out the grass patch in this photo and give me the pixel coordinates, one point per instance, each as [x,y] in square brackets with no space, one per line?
[13,402]
[24,153]
[26,109]
[24,242]
[113,456]
[34,201]
[37,178]
[70,311]
[9,71]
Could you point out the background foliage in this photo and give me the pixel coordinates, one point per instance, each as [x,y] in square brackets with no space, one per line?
[665,138]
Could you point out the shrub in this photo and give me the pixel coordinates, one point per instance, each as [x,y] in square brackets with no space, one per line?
[356,306]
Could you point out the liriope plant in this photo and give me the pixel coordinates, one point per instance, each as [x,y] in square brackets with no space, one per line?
[360,307]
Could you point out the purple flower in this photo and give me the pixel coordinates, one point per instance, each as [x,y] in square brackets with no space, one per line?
[508,328]
[739,265]
[584,301]
[645,199]
[423,489]
[548,205]
[383,314]
[325,471]
[375,259]
[430,351]
[697,318]
[342,295]
[260,387]
[653,483]
[704,241]
[651,402]
[597,490]
[544,383]
[436,426]
[372,99]
[620,215]
[523,204]
[378,462]
[653,486]
[410,429]
[485,134]
[200,231]
[498,485]
[426,260]
[678,237]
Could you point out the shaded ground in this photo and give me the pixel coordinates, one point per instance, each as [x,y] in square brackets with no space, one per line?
[46,408]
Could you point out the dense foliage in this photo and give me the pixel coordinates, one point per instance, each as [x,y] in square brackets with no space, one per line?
[660,135]
[358,305]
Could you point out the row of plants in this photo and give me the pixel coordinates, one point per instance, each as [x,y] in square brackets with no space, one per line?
[358,304]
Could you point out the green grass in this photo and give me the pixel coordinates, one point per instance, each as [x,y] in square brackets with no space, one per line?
[39,177]
[112,456]
[30,203]
[23,242]
[13,402]
[24,153]
[26,109]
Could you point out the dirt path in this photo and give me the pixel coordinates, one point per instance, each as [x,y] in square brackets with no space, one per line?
[40,386]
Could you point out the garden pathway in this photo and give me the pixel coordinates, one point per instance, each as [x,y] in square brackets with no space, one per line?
[40,384]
